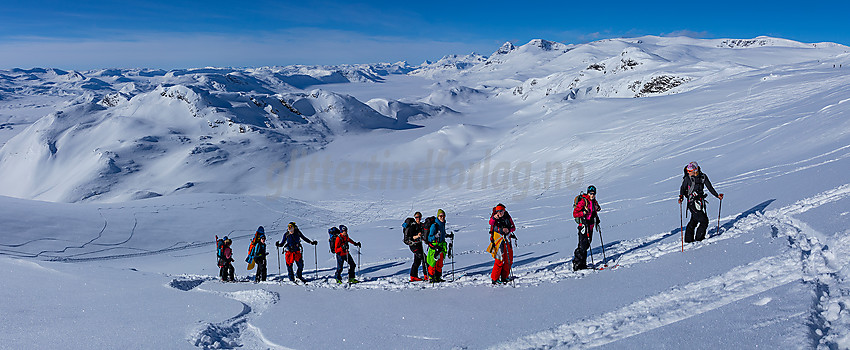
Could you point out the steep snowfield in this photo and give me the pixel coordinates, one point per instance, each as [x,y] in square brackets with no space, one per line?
[766,118]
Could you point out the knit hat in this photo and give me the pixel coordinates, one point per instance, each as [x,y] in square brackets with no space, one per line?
[441,212]
[692,166]
[499,207]
[261,230]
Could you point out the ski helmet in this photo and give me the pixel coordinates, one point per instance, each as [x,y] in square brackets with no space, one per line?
[591,189]
[342,228]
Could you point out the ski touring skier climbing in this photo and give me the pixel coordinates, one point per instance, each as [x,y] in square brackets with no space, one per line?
[413,238]
[261,232]
[585,213]
[293,251]
[501,232]
[437,246]
[694,182]
[343,255]
[259,257]
[225,259]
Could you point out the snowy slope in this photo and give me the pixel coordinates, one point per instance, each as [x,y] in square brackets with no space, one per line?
[766,118]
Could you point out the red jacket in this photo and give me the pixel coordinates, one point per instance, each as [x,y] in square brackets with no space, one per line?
[341,244]
[583,210]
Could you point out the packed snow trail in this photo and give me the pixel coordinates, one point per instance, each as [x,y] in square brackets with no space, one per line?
[808,260]
[237,331]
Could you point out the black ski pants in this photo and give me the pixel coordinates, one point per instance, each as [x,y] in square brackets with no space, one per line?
[340,260]
[261,270]
[227,272]
[300,264]
[418,259]
[698,222]
[585,237]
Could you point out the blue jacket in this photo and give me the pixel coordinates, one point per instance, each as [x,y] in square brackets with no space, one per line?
[438,232]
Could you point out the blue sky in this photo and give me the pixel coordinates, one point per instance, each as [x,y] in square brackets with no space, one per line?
[181,34]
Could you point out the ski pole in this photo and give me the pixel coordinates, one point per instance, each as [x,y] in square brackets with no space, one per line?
[588,245]
[316,256]
[602,242]
[681,226]
[720,205]
[280,278]
[452,255]
[358,262]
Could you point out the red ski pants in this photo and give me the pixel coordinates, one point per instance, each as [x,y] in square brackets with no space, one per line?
[502,268]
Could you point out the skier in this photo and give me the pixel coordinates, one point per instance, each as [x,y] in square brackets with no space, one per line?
[259,254]
[413,239]
[292,249]
[501,232]
[693,183]
[343,256]
[437,247]
[585,212]
[227,270]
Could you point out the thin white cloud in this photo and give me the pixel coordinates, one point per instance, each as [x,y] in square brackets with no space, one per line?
[180,50]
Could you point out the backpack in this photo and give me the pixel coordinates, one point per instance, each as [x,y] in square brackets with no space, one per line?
[407,223]
[219,246]
[261,232]
[578,199]
[333,232]
[426,226]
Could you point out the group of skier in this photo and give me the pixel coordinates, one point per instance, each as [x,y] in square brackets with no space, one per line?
[432,232]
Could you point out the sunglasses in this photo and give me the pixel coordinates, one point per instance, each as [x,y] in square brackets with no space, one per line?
[417,217]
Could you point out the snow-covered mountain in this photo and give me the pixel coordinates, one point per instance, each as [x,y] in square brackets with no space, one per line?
[115,182]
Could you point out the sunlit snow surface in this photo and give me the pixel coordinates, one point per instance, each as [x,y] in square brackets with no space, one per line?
[117,183]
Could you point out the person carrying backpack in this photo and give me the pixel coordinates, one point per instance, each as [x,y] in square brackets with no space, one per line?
[585,213]
[437,247]
[259,258]
[343,255]
[693,183]
[501,232]
[225,260]
[292,250]
[413,238]
[261,232]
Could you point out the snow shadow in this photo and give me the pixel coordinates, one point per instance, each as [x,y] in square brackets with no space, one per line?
[185,284]
[758,209]
[487,266]
[709,233]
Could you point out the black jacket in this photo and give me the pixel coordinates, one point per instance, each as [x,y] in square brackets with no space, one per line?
[410,230]
[693,187]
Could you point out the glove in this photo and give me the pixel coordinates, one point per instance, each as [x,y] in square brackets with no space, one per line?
[597,221]
[277,244]
[357,244]
[681,198]
[314,242]
[451,235]
[720,196]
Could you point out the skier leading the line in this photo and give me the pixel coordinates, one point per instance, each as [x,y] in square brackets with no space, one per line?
[693,183]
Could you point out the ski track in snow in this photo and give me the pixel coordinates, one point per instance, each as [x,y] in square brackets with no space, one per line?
[237,331]
[812,261]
